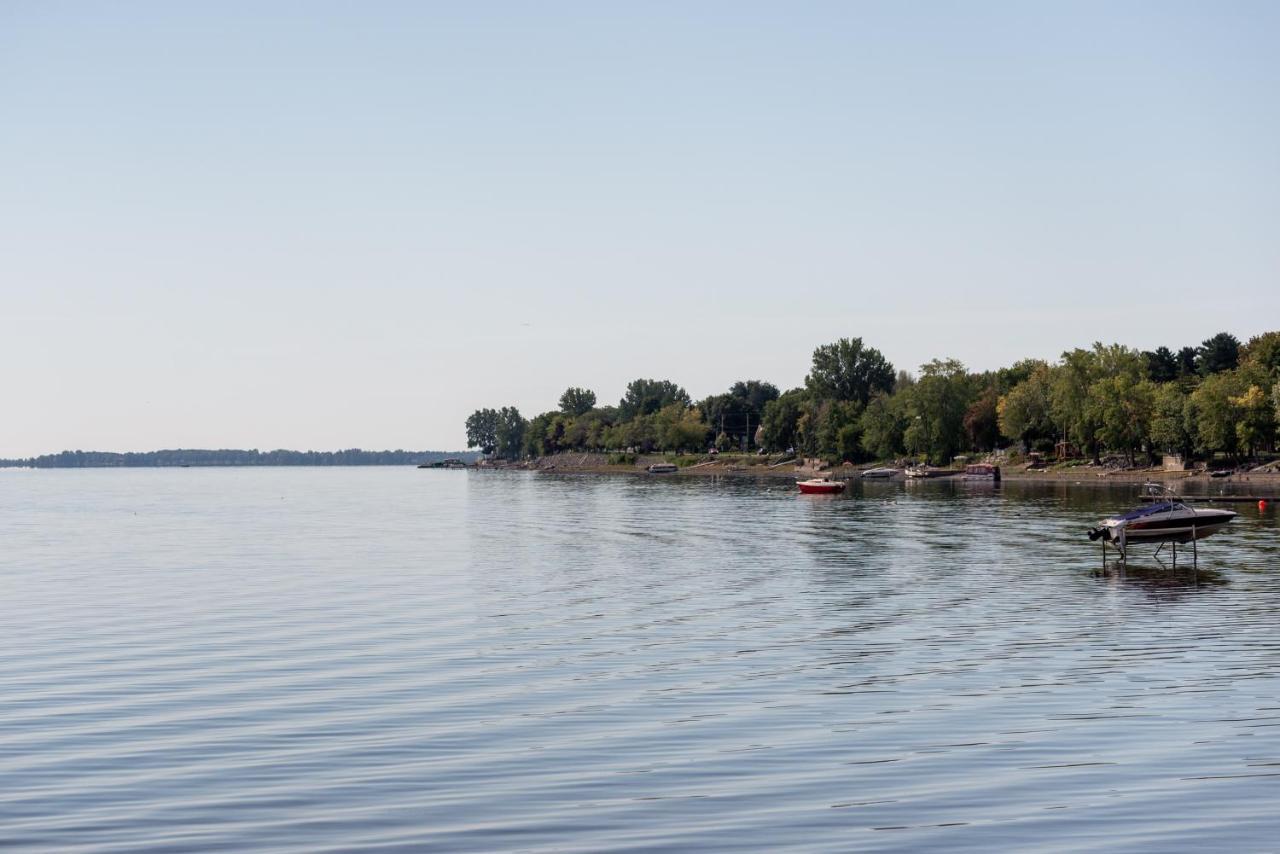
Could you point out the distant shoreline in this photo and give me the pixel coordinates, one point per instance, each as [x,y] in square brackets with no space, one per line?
[231,458]
[597,464]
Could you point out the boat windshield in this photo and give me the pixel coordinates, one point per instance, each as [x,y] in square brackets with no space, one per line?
[1149,510]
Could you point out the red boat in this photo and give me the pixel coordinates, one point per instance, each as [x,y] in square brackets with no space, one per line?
[821,486]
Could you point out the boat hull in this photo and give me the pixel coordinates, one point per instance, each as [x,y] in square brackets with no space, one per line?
[1180,528]
[820,487]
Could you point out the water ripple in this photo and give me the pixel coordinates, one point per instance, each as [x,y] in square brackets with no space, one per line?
[339,659]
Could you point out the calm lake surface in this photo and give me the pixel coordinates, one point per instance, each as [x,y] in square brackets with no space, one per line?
[393,659]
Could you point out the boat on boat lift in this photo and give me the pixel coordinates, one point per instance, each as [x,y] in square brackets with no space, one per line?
[1164,521]
[821,486]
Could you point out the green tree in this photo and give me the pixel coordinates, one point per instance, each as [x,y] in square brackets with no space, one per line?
[1219,353]
[1256,422]
[645,397]
[846,370]
[936,407]
[1214,415]
[1188,362]
[1071,382]
[1123,408]
[782,417]
[1161,364]
[1172,427]
[882,427]
[509,433]
[482,430]
[1024,413]
[1009,378]
[1264,351]
[981,421]
[577,401]
[835,430]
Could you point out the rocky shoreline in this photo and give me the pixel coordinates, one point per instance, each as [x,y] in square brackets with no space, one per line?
[589,463]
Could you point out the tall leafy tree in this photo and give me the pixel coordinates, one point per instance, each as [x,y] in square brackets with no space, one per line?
[509,433]
[847,370]
[645,397]
[1071,410]
[1172,424]
[883,424]
[936,408]
[1025,413]
[1123,408]
[782,419]
[577,401]
[482,430]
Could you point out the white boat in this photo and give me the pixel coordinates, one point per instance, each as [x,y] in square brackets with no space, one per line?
[982,471]
[663,468]
[1167,520]
[917,471]
[880,472]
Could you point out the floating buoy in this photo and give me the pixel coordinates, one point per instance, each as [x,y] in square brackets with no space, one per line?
[1262,505]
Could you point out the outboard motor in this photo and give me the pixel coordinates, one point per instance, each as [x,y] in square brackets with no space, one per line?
[1095,533]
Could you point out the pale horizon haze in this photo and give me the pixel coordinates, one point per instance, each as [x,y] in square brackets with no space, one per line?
[332,225]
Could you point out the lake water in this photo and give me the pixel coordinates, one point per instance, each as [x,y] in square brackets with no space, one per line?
[393,659]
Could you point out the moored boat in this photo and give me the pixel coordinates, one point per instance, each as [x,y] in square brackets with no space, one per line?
[982,471]
[880,472]
[821,486]
[1167,521]
[663,468]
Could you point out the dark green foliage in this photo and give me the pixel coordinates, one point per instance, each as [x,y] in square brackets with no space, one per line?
[1188,360]
[846,370]
[782,418]
[882,427]
[577,401]
[1162,365]
[645,397]
[482,430]
[509,433]
[1219,353]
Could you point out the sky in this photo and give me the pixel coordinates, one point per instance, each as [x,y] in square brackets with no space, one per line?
[328,225]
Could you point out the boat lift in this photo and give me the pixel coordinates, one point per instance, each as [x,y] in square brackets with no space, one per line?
[1120,540]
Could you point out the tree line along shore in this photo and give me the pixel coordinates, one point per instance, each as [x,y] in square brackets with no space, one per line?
[1218,402]
[195,457]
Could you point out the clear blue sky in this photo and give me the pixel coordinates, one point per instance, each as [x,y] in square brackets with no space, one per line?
[321,225]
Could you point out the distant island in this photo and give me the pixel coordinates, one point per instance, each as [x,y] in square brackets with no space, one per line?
[229,457]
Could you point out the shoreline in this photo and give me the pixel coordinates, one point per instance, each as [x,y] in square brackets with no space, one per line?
[597,464]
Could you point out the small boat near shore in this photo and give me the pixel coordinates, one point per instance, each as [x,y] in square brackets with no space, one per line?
[663,468]
[884,472]
[821,486]
[982,472]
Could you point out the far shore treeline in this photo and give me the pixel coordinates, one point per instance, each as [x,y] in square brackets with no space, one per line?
[1221,398]
[227,457]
